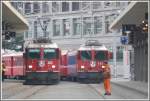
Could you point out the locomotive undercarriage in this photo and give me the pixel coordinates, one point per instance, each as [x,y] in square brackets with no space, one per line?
[90,77]
[42,78]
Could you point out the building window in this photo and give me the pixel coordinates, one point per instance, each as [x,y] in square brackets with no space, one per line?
[66,27]
[45,25]
[97,25]
[75,6]
[56,27]
[14,4]
[87,26]
[97,5]
[18,6]
[36,7]
[26,34]
[35,29]
[109,4]
[65,6]
[30,30]
[85,5]
[27,8]
[55,6]
[117,4]
[107,27]
[119,54]
[45,7]
[108,20]
[76,26]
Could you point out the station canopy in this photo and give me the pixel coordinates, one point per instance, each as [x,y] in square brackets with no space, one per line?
[11,16]
[134,13]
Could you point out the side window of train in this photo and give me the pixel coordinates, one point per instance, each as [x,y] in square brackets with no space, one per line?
[6,62]
[9,62]
[14,60]
[19,61]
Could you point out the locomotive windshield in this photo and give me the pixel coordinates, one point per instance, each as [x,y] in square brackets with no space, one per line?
[100,55]
[50,54]
[86,55]
[34,53]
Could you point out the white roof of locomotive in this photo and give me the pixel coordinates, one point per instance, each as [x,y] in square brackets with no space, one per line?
[44,45]
[13,54]
[102,47]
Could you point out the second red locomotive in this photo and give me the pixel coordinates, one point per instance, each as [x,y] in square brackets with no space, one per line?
[90,61]
[87,64]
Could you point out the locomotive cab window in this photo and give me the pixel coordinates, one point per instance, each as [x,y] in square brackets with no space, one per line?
[50,54]
[34,53]
[86,55]
[100,55]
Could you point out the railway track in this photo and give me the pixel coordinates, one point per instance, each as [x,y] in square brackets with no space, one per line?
[14,90]
[20,91]
[35,91]
[96,91]
[10,87]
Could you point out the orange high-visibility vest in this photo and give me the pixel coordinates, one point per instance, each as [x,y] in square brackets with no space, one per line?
[106,71]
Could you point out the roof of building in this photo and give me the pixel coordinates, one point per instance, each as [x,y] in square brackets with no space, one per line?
[11,16]
[134,13]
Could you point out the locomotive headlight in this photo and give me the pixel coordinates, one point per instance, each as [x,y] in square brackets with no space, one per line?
[82,67]
[103,66]
[53,66]
[30,66]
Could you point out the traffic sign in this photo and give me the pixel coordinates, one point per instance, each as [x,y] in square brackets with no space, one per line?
[124,39]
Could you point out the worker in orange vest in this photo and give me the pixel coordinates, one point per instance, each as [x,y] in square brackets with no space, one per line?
[106,75]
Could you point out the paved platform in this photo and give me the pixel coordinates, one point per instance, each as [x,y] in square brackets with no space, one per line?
[141,87]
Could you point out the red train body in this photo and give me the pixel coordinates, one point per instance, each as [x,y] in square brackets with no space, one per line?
[90,61]
[68,66]
[86,64]
[63,67]
[14,65]
[42,61]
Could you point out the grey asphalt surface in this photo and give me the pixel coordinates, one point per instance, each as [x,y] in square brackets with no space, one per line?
[66,90]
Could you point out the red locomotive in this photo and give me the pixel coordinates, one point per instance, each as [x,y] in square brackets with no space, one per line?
[14,65]
[42,61]
[91,58]
[87,64]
